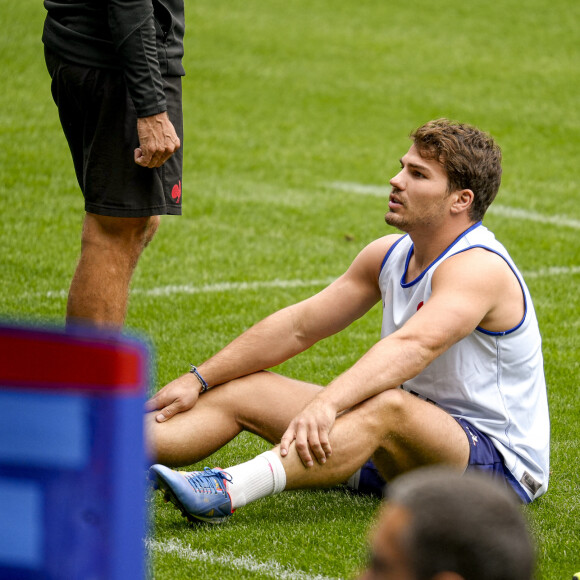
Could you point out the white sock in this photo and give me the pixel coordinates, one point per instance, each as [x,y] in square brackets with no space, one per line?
[260,477]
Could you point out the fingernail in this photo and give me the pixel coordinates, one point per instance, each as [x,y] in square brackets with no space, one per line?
[160,418]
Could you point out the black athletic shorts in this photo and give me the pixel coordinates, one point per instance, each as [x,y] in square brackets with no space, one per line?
[100,124]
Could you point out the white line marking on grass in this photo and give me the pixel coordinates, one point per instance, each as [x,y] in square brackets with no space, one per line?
[495,209]
[532,216]
[376,190]
[53,294]
[268,568]
[552,271]
[230,287]
[172,290]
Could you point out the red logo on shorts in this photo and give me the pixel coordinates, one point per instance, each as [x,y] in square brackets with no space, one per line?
[176,192]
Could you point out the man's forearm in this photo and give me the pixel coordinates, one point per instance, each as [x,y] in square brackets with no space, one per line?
[386,365]
[266,344]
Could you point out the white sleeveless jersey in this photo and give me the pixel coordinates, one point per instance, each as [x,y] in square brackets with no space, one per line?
[494,380]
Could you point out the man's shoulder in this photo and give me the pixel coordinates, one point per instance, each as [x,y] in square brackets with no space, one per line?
[385,243]
[379,248]
[371,258]
[478,263]
[475,255]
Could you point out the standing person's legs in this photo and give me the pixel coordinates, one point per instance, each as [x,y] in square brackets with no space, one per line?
[110,249]
[123,201]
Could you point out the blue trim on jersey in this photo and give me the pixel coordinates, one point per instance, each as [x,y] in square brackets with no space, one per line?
[390,252]
[510,330]
[422,274]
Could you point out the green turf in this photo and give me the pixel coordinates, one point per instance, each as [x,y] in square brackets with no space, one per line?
[283,99]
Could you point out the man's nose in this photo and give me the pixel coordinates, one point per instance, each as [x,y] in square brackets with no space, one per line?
[397,180]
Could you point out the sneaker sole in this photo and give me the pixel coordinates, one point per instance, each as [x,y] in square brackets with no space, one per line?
[169,496]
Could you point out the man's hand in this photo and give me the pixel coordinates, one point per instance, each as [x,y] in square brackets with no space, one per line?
[158,140]
[310,429]
[176,397]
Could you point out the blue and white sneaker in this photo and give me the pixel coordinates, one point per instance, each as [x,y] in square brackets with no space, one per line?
[199,495]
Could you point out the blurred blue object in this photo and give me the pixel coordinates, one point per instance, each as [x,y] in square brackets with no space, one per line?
[72,454]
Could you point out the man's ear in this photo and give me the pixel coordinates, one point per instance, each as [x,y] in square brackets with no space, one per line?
[463,201]
[447,576]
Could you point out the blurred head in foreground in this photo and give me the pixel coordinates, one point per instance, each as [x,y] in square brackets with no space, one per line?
[440,525]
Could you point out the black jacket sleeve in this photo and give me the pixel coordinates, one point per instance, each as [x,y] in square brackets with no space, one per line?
[132,29]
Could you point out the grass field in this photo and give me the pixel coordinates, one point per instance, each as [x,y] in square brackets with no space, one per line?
[296,114]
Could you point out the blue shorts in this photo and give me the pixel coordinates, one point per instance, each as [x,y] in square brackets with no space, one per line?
[485,458]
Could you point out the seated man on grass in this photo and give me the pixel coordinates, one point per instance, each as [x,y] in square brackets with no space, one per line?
[456,378]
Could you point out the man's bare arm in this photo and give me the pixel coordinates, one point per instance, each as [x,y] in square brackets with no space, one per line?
[466,291]
[285,333]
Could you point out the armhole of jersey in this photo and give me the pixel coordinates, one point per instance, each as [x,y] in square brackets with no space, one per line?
[510,330]
[389,252]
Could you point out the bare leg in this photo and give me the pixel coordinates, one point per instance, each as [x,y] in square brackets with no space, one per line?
[110,250]
[402,431]
[263,403]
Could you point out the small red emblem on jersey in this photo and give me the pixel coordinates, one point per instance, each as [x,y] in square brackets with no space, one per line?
[176,192]
[419,305]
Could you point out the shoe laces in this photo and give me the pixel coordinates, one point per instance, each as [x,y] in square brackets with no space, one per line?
[209,481]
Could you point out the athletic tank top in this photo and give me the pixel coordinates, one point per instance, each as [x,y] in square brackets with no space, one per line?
[494,380]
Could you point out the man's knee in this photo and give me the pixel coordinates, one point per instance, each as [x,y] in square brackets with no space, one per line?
[151,228]
[127,234]
[393,401]
[385,411]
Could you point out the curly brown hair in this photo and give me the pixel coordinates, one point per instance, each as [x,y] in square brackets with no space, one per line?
[470,157]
